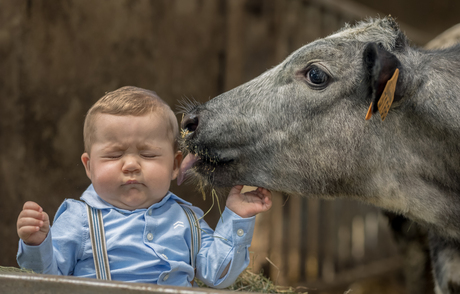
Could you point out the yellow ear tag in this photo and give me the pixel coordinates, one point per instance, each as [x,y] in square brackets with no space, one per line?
[369,112]
[386,99]
[388,95]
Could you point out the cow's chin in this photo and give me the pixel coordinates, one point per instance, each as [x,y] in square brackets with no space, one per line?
[209,181]
[215,175]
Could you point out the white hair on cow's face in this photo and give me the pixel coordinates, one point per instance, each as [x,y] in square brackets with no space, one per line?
[386,30]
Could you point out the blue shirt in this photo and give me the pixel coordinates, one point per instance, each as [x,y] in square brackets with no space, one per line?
[144,245]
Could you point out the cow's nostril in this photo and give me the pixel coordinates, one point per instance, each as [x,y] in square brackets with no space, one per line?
[189,122]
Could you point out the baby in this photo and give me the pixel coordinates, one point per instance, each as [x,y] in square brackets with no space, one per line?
[131,156]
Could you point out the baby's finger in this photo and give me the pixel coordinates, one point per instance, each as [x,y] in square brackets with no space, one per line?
[46,217]
[32,214]
[28,222]
[263,191]
[32,206]
[236,189]
[259,193]
[268,195]
[253,194]
[26,232]
[268,201]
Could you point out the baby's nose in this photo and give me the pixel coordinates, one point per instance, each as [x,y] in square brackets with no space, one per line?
[131,164]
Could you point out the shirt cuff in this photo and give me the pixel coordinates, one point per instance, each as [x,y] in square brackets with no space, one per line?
[35,257]
[235,229]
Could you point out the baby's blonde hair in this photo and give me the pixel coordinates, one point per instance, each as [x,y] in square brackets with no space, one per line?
[129,101]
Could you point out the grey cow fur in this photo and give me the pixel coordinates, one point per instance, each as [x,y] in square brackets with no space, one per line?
[300,128]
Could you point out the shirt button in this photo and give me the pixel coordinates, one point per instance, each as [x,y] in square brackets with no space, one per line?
[150,236]
[150,212]
[240,232]
[166,277]
[164,256]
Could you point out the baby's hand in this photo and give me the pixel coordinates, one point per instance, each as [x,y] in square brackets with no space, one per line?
[250,203]
[33,224]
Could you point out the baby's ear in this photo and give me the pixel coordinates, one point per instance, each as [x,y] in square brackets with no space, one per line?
[85,160]
[177,162]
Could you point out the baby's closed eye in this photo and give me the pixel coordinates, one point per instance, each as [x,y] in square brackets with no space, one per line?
[149,155]
[112,155]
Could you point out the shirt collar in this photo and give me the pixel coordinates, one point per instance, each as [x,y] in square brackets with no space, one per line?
[91,198]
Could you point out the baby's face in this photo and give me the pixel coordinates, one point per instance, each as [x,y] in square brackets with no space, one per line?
[132,161]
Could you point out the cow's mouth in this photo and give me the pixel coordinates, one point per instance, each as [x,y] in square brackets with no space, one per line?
[209,162]
[204,165]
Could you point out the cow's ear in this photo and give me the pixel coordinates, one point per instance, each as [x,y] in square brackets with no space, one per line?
[381,69]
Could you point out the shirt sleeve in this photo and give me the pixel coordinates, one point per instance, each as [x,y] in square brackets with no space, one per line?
[63,246]
[226,247]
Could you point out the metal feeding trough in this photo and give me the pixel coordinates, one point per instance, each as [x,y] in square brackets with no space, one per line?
[22,283]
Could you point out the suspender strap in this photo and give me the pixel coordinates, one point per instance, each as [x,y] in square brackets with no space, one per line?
[196,233]
[96,232]
[101,259]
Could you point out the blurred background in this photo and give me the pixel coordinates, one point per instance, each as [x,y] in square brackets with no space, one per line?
[58,57]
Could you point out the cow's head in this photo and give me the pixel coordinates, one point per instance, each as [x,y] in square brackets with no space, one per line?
[300,127]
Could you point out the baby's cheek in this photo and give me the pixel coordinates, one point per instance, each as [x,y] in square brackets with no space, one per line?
[104,176]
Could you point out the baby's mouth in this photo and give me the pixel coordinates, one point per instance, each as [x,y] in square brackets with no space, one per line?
[131,182]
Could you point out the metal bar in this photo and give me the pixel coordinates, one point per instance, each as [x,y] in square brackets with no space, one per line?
[22,283]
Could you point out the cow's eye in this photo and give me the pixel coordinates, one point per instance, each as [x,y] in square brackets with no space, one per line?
[316,77]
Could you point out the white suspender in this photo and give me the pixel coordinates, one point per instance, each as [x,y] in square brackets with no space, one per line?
[195,230]
[96,232]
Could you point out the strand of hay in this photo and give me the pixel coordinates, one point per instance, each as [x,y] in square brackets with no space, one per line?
[251,282]
[10,269]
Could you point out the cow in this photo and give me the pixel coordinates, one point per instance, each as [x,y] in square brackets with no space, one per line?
[360,114]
